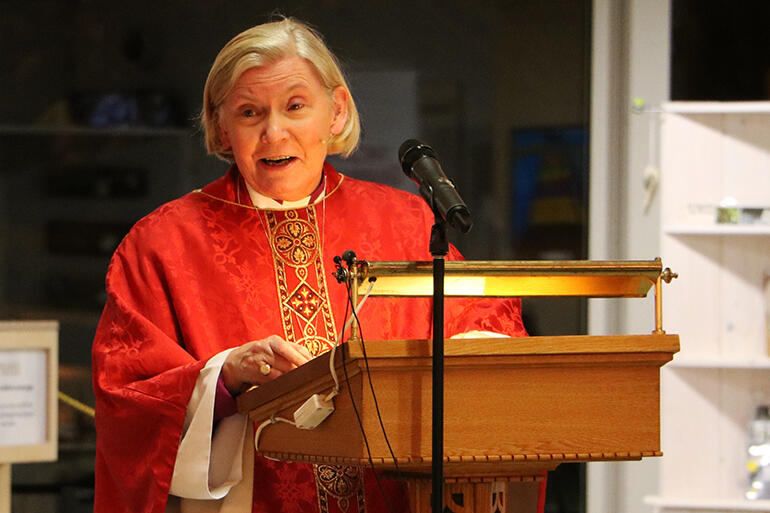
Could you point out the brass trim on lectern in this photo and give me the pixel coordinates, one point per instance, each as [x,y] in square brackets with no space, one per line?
[520,278]
[516,278]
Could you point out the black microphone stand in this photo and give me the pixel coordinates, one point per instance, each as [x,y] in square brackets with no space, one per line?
[439,247]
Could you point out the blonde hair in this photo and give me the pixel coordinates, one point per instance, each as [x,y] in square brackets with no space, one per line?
[265,44]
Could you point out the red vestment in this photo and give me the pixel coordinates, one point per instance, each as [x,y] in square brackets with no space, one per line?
[209,272]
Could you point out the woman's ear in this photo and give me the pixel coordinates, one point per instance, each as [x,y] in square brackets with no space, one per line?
[224,140]
[340,106]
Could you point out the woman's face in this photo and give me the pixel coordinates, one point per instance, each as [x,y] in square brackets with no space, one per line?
[278,119]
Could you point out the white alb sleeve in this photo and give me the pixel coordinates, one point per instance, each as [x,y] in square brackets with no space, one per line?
[208,462]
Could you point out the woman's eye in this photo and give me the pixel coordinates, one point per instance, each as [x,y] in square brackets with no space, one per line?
[248,113]
[295,106]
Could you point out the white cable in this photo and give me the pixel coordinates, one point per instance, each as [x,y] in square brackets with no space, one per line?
[333,371]
[332,368]
[358,308]
[271,420]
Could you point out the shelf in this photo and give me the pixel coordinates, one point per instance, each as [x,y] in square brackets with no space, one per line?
[12,312]
[717,107]
[718,229]
[758,363]
[665,503]
[77,447]
[112,131]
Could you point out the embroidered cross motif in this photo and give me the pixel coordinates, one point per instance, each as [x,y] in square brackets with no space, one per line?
[305,302]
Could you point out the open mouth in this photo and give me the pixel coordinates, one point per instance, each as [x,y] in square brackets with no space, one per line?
[278,161]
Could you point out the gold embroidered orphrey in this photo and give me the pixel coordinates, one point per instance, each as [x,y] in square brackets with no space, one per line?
[307,320]
[345,484]
[299,274]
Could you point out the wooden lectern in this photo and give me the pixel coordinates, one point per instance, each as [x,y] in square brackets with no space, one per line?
[514,408]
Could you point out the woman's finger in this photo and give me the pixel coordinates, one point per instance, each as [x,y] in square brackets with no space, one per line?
[292,353]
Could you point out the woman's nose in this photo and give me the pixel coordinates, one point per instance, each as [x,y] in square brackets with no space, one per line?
[274,129]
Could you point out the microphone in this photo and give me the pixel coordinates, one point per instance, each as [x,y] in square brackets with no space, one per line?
[420,163]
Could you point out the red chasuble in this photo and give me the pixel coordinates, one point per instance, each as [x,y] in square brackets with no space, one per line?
[208,272]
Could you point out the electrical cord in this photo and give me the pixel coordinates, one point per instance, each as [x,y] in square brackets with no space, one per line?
[335,392]
[374,396]
[358,308]
[366,440]
[268,422]
[369,377]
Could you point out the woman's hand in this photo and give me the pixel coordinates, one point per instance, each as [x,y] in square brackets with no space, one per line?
[246,365]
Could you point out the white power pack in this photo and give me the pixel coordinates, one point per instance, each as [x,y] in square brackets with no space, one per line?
[312,412]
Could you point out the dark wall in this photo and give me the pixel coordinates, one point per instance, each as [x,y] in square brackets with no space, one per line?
[720,50]
[483,67]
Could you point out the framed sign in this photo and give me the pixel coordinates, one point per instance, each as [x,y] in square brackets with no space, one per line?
[29,382]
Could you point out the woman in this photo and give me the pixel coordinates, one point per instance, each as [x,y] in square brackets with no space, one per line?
[227,287]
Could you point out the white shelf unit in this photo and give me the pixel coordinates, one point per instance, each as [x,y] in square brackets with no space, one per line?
[711,390]
[674,504]
[717,229]
[758,107]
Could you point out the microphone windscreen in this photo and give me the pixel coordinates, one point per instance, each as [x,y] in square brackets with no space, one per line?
[411,151]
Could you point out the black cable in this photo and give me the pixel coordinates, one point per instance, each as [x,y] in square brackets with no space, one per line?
[363,432]
[349,305]
[371,387]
